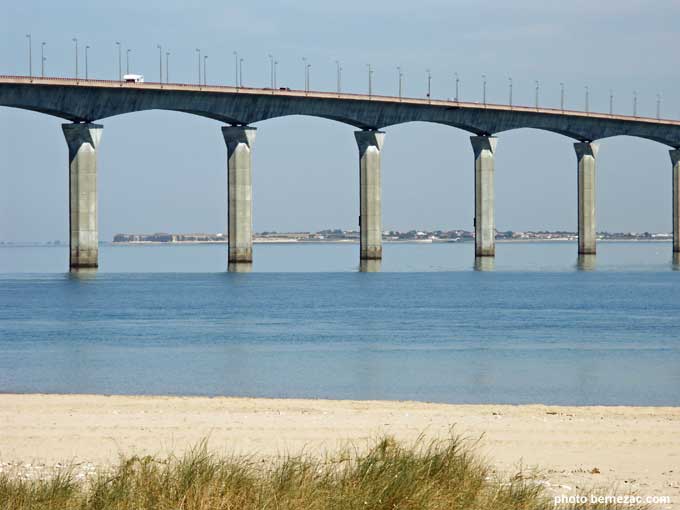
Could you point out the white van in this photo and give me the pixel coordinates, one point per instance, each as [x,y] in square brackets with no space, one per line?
[133,78]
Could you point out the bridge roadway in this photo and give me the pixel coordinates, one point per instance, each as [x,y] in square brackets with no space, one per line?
[82,102]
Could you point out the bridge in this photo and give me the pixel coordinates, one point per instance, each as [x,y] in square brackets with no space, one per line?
[84,102]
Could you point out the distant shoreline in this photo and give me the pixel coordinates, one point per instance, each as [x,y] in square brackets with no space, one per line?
[346,241]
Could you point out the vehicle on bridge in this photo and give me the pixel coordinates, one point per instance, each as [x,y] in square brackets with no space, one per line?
[133,78]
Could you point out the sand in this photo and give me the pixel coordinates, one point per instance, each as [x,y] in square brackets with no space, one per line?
[576,448]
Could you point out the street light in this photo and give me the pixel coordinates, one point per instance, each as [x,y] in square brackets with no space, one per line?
[75,40]
[538,86]
[240,71]
[562,96]
[635,101]
[127,61]
[87,74]
[401,76]
[198,51]
[429,86]
[30,55]
[484,89]
[236,82]
[276,64]
[611,102]
[167,67]
[160,63]
[42,59]
[120,62]
[457,98]
[658,106]
[587,99]
[370,80]
[338,69]
[510,91]
[271,70]
[205,67]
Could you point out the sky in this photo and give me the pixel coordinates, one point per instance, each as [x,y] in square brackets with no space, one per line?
[166,171]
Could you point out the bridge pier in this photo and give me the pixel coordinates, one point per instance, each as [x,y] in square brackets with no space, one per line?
[370,145]
[675,159]
[83,140]
[484,148]
[239,141]
[586,154]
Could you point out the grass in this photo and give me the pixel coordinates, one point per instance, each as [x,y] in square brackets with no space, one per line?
[437,475]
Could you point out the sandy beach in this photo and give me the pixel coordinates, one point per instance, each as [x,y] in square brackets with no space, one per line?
[576,448]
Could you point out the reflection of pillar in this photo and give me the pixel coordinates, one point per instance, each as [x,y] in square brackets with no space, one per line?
[240,267]
[485,263]
[370,217]
[239,140]
[586,153]
[675,158]
[484,148]
[370,265]
[83,140]
[585,262]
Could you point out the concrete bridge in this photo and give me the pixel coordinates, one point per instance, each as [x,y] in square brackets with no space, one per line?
[82,102]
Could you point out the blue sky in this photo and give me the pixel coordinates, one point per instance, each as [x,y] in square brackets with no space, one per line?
[162,171]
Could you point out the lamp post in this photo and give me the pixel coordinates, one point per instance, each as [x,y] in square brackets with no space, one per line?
[658,106]
[587,99]
[42,59]
[120,62]
[30,56]
[127,61]
[240,71]
[562,96]
[87,74]
[271,70]
[304,63]
[235,68]
[160,63]
[370,80]
[611,102]
[338,68]
[538,87]
[484,89]
[510,91]
[167,67]
[429,86]
[75,40]
[457,98]
[401,77]
[205,70]
[635,101]
[198,51]
[276,64]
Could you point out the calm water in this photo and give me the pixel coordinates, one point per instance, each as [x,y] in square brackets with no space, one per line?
[305,323]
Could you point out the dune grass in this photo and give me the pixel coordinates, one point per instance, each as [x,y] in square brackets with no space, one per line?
[436,475]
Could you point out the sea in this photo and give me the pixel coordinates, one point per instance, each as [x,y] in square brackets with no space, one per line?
[536,325]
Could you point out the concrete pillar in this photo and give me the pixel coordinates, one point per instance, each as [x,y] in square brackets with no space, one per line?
[586,154]
[239,140]
[370,216]
[83,140]
[484,148]
[675,159]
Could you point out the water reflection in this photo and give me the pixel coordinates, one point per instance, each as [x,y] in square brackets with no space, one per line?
[370,266]
[676,261]
[585,263]
[82,273]
[240,267]
[485,263]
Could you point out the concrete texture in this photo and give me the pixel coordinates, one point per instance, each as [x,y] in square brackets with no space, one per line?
[83,140]
[89,100]
[484,148]
[239,140]
[370,145]
[675,159]
[586,154]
